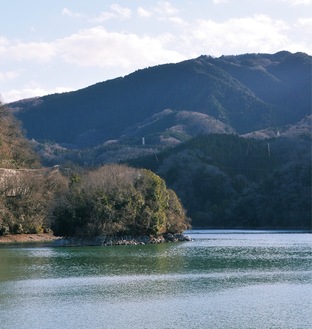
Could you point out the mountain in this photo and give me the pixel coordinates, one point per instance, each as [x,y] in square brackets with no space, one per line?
[242,93]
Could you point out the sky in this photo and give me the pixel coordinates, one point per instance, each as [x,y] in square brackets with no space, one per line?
[52,46]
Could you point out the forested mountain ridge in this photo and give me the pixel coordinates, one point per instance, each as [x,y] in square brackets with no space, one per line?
[227,181]
[245,92]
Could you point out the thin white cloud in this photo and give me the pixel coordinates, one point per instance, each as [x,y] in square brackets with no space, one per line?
[294,3]
[218,2]
[38,51]
[67,12]
[299,2]
[95,47]
[121,11]
[9,75]
[259,33]
[98,47]
[143,12]
[29,92]
[165,8]
[165,11]
[117,11]
[305,23]
[177,21]
[3,46]
[102,17]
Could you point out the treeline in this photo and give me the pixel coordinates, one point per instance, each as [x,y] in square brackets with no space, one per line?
[26,200]
[112,200]
[225,181]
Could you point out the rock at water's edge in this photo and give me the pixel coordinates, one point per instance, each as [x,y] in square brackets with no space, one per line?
[117,241]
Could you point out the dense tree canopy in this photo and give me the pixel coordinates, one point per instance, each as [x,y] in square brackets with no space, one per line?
[225,181]
[117,200]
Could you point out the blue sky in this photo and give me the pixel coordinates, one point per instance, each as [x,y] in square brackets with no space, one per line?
[61,45]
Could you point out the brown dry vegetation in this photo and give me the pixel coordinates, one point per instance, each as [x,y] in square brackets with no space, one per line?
[15,149]
[24,238]
[26,193]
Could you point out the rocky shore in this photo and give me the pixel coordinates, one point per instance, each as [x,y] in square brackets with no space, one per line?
[119,241]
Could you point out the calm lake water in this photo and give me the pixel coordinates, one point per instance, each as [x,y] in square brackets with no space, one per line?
[222,279]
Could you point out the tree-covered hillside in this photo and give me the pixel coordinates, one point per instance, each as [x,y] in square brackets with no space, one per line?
[246,92]
[15,149]
[111,200]
[165,129]
[26,189]
[225,181]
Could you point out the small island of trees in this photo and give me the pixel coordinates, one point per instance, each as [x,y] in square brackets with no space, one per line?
[118,200]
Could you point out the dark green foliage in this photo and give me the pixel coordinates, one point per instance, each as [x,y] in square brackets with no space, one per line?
[281,200]
[116,200]
[225,181]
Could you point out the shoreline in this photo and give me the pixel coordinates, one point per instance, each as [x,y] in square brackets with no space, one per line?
[128,240]
[57,241]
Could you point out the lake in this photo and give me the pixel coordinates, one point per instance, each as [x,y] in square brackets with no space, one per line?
[222,279]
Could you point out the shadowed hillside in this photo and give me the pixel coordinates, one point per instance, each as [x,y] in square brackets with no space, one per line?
[226,181]
[246,92]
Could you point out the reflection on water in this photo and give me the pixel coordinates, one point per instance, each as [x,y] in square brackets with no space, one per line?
[219,280]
